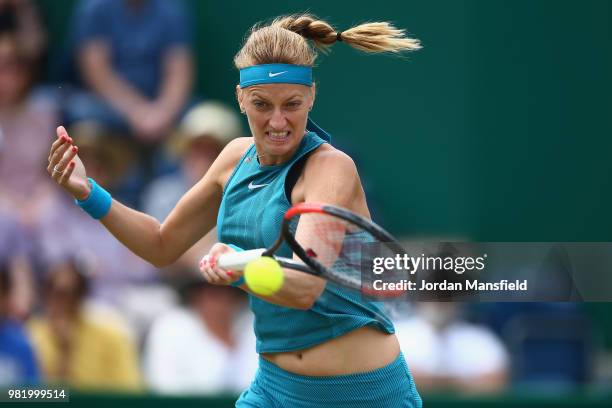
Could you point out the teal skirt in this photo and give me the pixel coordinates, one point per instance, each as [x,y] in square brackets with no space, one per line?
[390,386]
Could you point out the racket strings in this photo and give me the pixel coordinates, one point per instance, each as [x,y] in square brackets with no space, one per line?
[334,243]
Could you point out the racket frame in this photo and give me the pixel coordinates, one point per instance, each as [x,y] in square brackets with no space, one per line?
[308,264]
[309,208]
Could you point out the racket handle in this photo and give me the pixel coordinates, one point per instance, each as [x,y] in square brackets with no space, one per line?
[238,260]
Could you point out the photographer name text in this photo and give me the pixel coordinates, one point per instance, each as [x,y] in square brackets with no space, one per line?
[445,285]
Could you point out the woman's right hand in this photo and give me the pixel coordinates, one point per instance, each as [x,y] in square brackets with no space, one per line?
[212,272]
[66,168]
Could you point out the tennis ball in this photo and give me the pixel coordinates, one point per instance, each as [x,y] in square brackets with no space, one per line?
[264,276]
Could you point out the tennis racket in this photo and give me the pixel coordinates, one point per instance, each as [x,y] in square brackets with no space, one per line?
[328,241]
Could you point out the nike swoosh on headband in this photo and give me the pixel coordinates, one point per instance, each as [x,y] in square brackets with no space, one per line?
[273,74]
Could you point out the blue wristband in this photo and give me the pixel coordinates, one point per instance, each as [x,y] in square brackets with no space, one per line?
[98,203]
[241,280]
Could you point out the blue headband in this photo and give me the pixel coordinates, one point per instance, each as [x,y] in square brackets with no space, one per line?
[275,74]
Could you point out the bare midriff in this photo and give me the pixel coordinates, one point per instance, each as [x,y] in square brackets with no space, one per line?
[361,350]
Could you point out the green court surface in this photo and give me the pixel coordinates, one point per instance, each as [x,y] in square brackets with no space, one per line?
[509,400]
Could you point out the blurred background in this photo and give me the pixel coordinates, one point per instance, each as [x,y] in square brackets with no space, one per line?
[498,130]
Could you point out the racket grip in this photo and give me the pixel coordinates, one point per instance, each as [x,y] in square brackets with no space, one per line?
[238,260]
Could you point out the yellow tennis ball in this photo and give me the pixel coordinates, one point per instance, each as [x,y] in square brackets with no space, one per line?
[264,276]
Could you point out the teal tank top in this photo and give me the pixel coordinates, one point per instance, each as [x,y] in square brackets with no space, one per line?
[250,216]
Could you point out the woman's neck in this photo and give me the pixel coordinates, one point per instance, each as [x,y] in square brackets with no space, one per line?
[266,159]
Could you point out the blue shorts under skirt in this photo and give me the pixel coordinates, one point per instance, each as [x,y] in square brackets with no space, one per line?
[390,386]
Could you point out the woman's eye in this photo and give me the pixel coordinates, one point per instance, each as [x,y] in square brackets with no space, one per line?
[259,104]
[294,105]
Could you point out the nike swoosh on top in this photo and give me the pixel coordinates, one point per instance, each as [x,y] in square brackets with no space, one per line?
[252,186]
[273,74]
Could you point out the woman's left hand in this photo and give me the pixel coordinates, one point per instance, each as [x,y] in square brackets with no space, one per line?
[212,272]
[65,167]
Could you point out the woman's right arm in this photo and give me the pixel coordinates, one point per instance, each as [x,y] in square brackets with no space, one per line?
[160,244]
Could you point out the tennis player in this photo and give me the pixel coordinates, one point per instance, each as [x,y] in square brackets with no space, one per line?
[318,345]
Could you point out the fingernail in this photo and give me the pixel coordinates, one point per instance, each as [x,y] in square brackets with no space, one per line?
[213,260]
[74,149]
[71,164]
[204,262]
[230,273]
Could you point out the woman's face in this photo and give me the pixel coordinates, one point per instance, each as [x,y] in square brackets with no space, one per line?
[277,115]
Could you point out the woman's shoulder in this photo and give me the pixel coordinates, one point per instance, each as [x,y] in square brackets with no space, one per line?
[229,158]
[234,150]
[238,146]
[330,176]
[327,158]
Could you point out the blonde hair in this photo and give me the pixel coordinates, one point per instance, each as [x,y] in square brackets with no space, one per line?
[284,40]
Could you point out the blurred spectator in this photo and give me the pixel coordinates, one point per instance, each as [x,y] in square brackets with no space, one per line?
[135,56]
[75,348]
[116,273]
[21,18]
[17,360]
[202,134]
[446,353]
[552,344]
[208,346]
[13,254]
[27,122]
